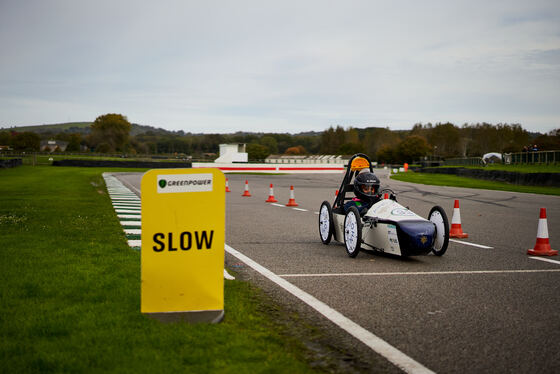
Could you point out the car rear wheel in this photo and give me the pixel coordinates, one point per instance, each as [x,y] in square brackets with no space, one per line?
[352,232]
[439,218]
[325,222]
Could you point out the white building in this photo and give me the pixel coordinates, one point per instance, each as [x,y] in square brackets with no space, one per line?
[232,153]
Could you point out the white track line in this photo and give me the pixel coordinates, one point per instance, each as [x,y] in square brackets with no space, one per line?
[301,210]
[472,244]
[545,259]
[377,344]
[280,205]
[420,273]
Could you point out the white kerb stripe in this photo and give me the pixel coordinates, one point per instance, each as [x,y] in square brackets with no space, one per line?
[131,223]
[377,344]
[135,243]
[129,216]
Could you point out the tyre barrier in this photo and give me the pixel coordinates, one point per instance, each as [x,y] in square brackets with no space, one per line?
[123,164]
[10,163]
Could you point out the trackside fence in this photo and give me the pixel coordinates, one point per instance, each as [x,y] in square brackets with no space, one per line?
[467,161]
[540,157]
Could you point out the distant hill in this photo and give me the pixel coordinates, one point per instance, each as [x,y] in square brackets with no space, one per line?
[84,129]
[81,128]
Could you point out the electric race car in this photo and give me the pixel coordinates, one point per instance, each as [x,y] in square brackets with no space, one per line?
[385,226]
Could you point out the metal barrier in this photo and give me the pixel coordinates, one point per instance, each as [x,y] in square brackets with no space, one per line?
[466,161]
[540,157]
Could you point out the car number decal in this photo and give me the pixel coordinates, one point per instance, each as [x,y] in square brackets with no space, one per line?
[393,238]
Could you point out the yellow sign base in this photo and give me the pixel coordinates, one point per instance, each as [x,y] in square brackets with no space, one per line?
[202,316]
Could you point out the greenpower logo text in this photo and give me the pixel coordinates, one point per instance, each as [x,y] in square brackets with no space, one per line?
[177,183]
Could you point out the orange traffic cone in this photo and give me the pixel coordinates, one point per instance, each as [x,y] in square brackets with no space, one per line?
[292,201]
[542,246]
[246,192]
[271,198]
[456,230]
[227,186]
[385,196]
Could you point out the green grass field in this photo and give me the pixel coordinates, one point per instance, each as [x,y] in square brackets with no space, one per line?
[70,293]
[457,181]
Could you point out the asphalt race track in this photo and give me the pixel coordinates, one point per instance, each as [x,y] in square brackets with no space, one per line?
[479,309]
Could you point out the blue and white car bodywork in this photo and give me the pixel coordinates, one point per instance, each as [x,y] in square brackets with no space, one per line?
[387,226]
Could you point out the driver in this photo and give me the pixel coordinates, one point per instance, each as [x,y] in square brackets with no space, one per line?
[366,186]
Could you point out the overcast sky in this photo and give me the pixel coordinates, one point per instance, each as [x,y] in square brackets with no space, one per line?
[280,66]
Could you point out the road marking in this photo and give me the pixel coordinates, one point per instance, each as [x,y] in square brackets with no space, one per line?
[301,210]
[121,210]
[420,273]
[473,244]
[280,205]
[377,344]
[545,259]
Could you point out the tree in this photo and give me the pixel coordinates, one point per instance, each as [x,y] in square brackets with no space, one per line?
[26,141]
[350,149]
[385,154]
[5,138]
[447,138]
[296,151]
[74,143]
[257,151]
[112,130]
[412,148]
[270,143]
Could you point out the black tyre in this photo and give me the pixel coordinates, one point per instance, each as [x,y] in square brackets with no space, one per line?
[325,222]
[352,232]
[439,218]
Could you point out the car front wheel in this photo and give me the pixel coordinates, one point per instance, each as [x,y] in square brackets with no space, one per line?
[352,232]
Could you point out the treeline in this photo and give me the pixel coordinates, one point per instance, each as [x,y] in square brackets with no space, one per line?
[442,140]
[112,133]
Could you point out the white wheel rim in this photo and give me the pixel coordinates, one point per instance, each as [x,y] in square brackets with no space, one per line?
[351,232]
[437,219]
[324,222]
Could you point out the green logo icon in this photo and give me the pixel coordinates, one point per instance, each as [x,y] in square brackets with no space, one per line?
[162,183]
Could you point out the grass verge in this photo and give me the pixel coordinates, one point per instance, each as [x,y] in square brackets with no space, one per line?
[457,181]
[70,291]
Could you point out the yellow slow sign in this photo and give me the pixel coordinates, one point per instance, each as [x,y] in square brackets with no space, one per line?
[183,234]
